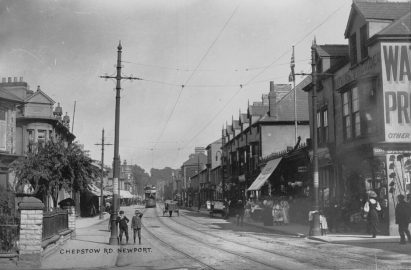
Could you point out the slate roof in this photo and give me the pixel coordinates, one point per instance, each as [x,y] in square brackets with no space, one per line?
[244,118]
[402,26]
[9,96]
[382,10]
[372,10]
[236,124]
[229,129]
[39,92]
[282,90]
[196,159]
[285,106]
[332,50]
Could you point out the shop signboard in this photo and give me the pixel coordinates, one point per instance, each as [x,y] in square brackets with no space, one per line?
[302,169]
[396,84]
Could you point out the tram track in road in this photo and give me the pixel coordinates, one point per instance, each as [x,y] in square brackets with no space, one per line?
[313,261]
[185,254]
[274,264]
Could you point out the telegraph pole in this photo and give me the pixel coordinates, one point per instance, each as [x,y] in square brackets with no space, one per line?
[316,217]
[316,182]
[116,159]
[102,170]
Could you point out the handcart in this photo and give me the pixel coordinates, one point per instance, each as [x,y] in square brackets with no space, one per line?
[170,207]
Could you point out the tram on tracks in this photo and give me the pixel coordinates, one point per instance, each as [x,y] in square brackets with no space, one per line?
[150,196]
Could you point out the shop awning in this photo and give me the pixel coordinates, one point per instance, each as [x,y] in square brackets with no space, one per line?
[125,194]
[94,190]
[265,174]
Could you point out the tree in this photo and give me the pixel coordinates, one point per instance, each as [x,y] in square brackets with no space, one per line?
[54,166]
[141,178]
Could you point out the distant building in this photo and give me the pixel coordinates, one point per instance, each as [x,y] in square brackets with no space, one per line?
[196,163]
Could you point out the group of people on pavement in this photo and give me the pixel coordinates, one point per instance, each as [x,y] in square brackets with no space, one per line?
[136,223]
[402,216]
[276,212]
[269,211]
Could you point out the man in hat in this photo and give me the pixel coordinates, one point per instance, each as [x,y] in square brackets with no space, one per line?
[122,220]
[136,226]
[372,207]
[402,218]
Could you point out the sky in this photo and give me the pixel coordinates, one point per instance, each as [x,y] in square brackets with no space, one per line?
[200,62]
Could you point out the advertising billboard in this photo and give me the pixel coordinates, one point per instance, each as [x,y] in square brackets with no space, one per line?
[396,83]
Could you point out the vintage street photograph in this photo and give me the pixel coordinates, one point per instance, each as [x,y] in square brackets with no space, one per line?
[205,134]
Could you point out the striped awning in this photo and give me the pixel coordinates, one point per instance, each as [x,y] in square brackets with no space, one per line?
[265,174]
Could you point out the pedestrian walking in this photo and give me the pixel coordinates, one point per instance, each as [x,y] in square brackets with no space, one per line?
[122,220]
[136,226]
[371,209]
[402,218]
[247,212]
[239,209]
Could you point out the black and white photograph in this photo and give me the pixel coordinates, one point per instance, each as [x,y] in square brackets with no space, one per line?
[205,134]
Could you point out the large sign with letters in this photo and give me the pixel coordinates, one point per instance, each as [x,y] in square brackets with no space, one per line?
[396,83]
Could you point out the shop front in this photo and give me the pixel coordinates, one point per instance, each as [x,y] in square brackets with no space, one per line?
[286,179]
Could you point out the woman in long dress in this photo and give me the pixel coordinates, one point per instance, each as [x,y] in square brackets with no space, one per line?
[278,218]
[285,207]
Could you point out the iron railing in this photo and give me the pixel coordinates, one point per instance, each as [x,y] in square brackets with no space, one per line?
[9,233]
[54,222]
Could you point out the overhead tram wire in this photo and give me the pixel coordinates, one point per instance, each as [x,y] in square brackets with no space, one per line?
[245,69]
[218,112]
[298,42]
[263,70]
[195,70]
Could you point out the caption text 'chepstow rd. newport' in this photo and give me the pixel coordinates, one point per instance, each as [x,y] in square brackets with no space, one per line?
[105,250]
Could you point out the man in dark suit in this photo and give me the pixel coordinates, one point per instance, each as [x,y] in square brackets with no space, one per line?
[402,218]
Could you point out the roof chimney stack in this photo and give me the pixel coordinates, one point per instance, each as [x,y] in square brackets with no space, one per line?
[272,99]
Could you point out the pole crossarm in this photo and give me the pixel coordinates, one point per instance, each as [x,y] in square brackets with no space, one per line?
[121,78]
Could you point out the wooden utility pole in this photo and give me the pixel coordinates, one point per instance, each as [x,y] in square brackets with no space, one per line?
[116,159]
[102,171]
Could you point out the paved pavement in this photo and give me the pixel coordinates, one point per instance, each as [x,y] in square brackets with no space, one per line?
[91,240]
[301,230]
[89,221]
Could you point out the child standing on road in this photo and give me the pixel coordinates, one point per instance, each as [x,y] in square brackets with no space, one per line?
[136,226]
[122,220]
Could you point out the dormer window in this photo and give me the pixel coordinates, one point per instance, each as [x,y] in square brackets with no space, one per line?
[353,49]
[363,40]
